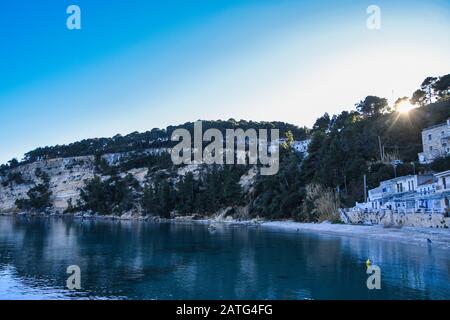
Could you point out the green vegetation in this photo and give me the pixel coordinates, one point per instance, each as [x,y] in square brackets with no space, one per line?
[102,167]
[5,168]
[343,148]
[38,196]
[158,199]
[156,138]
[349,147]
[321,204]
[113,195]
[432,88]
[158,161]
[280,195]
[13,177]
[441,164]
[216,188]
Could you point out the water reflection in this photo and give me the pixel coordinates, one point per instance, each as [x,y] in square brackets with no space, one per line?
[172,261]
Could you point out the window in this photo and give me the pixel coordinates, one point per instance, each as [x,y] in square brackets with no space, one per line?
[442,133]
[429,137]
[444,182]
[431,148]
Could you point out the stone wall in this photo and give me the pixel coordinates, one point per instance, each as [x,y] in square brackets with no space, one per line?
[428,220]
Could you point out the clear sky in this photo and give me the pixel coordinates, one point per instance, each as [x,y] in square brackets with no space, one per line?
[139,64]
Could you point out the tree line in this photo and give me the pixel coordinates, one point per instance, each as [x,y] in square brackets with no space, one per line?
[343,148]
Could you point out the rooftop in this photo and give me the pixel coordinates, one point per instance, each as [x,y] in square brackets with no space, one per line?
[398,178]
[437,125]
[443,173]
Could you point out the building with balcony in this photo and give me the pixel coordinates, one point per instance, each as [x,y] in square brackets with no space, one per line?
[443,189]
[436,142]
[399,192]
[412,193]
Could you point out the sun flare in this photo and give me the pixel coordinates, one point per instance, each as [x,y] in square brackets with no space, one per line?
[404,107]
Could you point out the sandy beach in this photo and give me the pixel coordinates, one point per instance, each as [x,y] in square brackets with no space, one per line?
[410,235]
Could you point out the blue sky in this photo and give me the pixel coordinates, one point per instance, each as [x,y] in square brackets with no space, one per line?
[139,64]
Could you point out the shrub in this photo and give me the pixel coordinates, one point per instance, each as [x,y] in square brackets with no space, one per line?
[111,196]
[324,203]
[15,177]
[38,198]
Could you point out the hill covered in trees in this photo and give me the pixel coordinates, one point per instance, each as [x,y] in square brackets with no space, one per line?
[343,148]
[348,146]
[155,138]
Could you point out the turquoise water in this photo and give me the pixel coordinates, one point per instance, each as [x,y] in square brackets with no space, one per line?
[138,260]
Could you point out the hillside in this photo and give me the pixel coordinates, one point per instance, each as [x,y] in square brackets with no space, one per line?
[134,175]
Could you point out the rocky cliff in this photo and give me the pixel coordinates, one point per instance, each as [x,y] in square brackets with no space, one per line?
[68,175]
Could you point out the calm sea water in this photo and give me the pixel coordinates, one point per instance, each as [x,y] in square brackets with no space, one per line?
[135,260]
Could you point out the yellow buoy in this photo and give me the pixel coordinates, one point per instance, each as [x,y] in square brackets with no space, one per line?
[368,263]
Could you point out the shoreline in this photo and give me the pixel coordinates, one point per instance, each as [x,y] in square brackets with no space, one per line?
[407,235]
[433,237]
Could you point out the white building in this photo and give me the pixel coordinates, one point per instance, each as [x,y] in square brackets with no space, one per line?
[397,193]
[436,142]
[411,193]
[443,188]
[298,146]
[426,193]
[301,146]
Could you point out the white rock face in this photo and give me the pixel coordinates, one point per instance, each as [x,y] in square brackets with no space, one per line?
[248,179]
[66,178]
[69,175]
[139,174]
